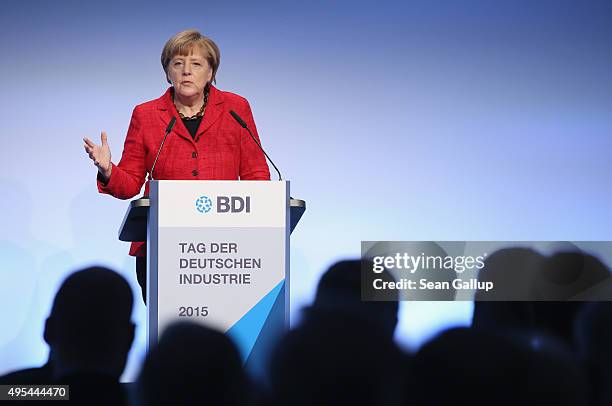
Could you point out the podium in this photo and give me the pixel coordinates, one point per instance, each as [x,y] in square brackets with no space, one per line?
[217,254]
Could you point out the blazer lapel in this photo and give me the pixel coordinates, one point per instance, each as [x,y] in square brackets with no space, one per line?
[213,111]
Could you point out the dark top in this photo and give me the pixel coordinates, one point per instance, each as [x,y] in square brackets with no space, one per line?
[31,376]
[192,125]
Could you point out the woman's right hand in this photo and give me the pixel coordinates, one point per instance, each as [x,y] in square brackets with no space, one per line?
[100,155]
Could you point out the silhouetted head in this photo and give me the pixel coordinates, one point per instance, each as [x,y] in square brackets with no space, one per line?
[507,307]
[339,290]
[192,364]
[566,276]
[337,362]
[89,328]
[571,276]
[593,341]
[513,271]
[400,257]
[593,333]
[475,367]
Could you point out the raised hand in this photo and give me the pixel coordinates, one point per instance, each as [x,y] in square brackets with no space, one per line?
[100,155]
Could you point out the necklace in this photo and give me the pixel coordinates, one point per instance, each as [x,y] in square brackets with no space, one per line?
[200,113]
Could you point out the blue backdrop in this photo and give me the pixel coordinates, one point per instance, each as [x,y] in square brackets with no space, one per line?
[426,120]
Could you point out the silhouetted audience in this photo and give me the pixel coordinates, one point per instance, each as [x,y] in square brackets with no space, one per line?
[339,293]
[442,275]
[532,342]
[566,279]
[475,367]
[571,276]
[192,365]
[331,361]
[90,334]
[593,337]
[536,295]
[507,308]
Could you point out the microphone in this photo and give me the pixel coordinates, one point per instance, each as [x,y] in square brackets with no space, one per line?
[244,125]
[168,129]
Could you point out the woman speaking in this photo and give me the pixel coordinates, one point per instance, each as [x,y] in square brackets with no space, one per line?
[206,142]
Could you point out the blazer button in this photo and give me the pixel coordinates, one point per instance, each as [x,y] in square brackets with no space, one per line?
[194,154]
[194,173]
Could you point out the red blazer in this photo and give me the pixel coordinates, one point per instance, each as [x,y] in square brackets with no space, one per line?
[221,150]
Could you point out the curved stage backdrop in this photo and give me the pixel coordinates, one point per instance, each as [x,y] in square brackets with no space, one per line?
[419,120]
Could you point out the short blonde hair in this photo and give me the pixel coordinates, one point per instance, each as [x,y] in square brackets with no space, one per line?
[183,44]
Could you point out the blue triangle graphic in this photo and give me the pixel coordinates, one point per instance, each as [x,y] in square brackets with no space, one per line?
[246,330]
[271,332]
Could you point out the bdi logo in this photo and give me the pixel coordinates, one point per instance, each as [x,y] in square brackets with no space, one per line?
[225,204]
[233,204]
[203,204]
